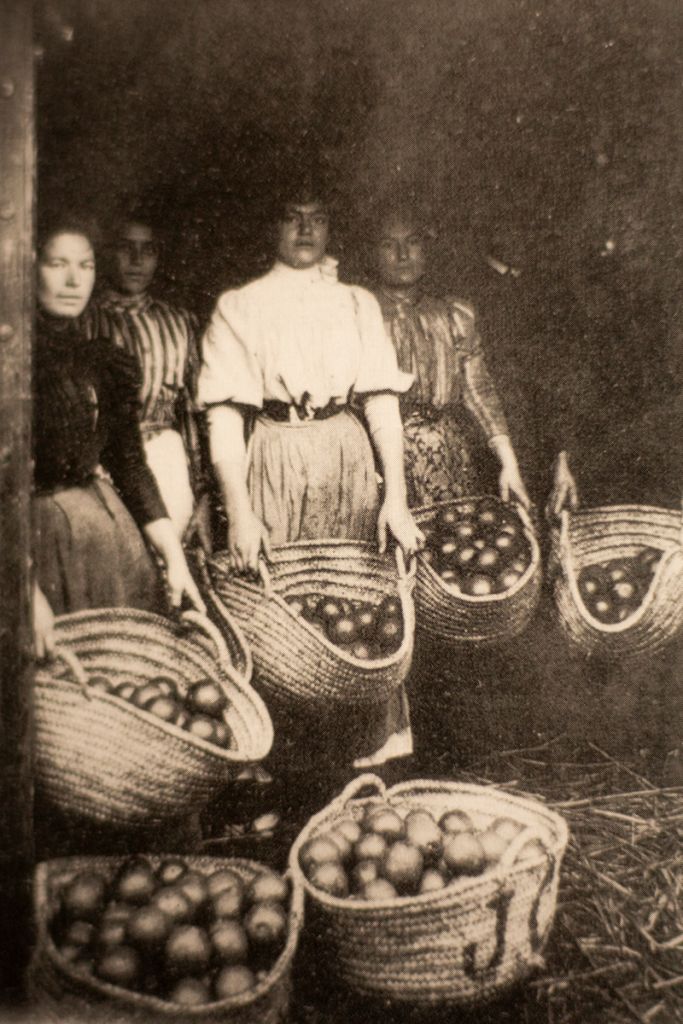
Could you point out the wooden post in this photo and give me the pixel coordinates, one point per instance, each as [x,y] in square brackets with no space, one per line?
[16,289]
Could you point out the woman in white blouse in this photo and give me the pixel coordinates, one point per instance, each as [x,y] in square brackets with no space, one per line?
[289,350]
[293,346]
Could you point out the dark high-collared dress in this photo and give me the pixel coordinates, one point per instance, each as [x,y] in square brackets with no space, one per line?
[93,489]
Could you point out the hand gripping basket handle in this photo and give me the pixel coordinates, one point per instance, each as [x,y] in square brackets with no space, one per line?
[207,627]
[265,577]
[73,664]
[406,573]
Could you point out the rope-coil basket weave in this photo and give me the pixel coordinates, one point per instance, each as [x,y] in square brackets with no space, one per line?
[462,944]
[449,617]
[65,995]
[590,536]
[100,756]
[294,664]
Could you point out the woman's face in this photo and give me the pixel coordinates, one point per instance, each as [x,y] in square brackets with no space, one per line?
[136,257]
[302,235]
[66,274]
[401,254]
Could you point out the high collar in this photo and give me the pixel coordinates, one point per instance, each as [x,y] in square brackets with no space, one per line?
[400,298]
[325,271]
[119,302]
[57,329]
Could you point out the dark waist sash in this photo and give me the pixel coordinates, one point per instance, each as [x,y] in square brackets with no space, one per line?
[279,411]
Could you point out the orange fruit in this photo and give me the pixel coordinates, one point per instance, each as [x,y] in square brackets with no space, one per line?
[232,981]
[455,821]
[195,888]
[268,887]
[83,897]
[316,851]
[349,828]
[371,846]
[173,902]
[119,965]
[463,854]
[188,950]
[424,833]
[493,845]
[402,866]
[330,878]
[385,822]
[190,992]
[363,872]
[148,928]
[171,870]
[229,941]
[431,881]
[135,882]
[266,924]
[379,889]
[224,880]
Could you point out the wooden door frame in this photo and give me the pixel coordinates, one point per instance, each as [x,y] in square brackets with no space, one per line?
[17,176]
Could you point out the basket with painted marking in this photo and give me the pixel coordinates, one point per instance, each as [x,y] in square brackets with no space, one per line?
[609,534]
[456,601]
[62,991]
[101,756]
[462,943]
[295,664]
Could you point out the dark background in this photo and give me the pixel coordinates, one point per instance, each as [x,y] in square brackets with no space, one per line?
[544,133]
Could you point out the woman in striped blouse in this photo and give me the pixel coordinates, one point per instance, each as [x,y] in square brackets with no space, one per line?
[436,340]
[162,339]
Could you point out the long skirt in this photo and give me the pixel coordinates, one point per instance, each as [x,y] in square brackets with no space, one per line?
[437,459]
[316,480]
[167,458]
[89,553]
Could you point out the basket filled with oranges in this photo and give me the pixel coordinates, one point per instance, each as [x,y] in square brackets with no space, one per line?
[163,938]
[431,892]
[329,622]
[141,718]
[479,575]
[618,578]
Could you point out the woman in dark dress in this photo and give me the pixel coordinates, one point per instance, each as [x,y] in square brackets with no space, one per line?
[94,493]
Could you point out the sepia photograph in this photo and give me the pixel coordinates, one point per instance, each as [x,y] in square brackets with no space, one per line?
[341,530]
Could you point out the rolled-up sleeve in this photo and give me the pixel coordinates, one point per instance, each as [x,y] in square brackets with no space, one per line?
[230,370]
[378,369]
[478,389]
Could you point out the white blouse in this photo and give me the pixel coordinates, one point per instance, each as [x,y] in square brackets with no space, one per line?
[295,333]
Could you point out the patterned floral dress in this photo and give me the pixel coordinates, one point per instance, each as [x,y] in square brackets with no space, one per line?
[436,340]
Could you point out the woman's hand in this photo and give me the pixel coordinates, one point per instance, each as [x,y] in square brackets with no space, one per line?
[565,491]
[396,519]
[181,585]
[199,526]
[510,479]
[43,626]
[248,539]
[510,483]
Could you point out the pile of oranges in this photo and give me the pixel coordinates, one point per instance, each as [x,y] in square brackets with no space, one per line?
[200,711]
[173,932]
[386,854]
[362,629]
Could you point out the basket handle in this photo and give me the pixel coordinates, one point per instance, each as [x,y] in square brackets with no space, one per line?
[265,577]
[74,665]
[354,787]
[406,573]
[526,835]
[198,621]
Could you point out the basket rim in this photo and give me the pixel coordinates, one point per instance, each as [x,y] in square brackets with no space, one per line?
[263,736]
[479,599]
[565,551]
[368,665]
[454,888]
[141,1000]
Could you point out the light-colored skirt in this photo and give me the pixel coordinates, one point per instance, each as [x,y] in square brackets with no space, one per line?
[315,480]
[89,553]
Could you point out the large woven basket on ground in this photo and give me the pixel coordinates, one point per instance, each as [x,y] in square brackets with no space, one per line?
[449,617]
[591,536]
[462,944]
[99,756]
[294,664]
[61,994]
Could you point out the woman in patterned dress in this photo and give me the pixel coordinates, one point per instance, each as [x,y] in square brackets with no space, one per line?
[436,340]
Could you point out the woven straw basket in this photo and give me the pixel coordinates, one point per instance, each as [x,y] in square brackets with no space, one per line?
[99,756]
[449,617]
[462,944]
[294,664]
[619,531]
[61,994]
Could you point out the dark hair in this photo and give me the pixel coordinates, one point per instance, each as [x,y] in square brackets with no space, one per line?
[409,212]
[70,223]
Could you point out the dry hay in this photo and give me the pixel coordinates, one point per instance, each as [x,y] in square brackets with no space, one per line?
[616,955]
